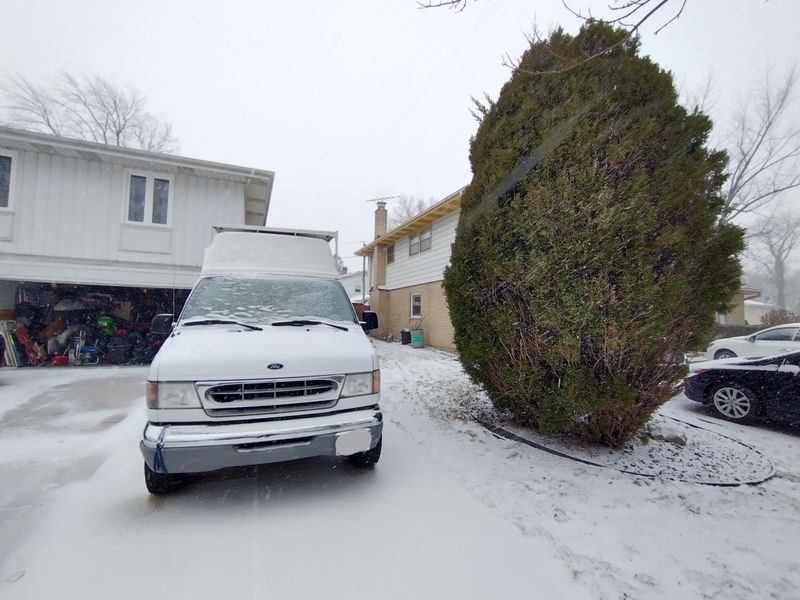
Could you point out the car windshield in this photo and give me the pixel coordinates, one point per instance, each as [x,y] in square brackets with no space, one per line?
[267,300]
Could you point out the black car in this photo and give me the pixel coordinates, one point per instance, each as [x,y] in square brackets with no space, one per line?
[748,389]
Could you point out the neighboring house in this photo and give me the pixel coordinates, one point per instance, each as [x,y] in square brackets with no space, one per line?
[87,214]
[755,310]
[356,285]
[407,268]
[736,315]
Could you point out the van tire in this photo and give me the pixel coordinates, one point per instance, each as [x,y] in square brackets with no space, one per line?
[364,460]
[161,483]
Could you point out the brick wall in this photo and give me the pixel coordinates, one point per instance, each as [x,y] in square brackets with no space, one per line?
[395,314]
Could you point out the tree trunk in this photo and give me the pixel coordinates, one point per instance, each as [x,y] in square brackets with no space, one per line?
[780,283]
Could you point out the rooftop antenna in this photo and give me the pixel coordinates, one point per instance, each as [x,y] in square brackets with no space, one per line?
[382,198]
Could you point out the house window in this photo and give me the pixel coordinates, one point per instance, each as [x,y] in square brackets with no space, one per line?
[390,254]
[149,198]
[419,242]
[425,239]
[6,178]
[416,305]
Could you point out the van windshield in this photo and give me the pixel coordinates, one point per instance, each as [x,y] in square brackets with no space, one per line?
[265,300]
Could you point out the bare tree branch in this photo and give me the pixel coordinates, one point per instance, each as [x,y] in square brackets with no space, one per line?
[629,8]
[31,105]
[456,5]
[771,242]
[702,98]
[87,108]
[633,29]
[763,150]
[407,207]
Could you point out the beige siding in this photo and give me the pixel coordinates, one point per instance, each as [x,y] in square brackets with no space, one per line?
[395,314]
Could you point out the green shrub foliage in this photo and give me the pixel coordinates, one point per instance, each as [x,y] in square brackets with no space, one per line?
[588,255]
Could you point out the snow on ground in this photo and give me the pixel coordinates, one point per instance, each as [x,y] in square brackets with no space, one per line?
[668,448]
[451,511]
[76,520]
[622,536]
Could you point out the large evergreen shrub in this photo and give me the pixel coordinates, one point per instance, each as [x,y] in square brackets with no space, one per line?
[587,255]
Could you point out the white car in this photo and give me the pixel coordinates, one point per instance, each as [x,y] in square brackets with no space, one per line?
[767,342]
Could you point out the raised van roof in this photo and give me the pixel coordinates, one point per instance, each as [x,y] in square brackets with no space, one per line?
[267,253]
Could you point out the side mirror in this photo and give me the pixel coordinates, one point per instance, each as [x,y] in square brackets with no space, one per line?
[162,324]
[750,338]
[370,320]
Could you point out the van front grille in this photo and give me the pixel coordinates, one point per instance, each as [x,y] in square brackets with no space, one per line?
[269,390]
[266,396]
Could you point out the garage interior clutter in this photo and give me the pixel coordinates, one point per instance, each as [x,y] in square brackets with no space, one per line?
[64,324]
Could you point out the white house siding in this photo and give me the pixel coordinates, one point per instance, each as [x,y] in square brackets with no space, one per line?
[427,266]
[353,284]
[754,310]
[68,224]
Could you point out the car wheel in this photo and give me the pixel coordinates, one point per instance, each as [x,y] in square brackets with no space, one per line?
[160,483]
[734,403]
[724,354]
[370,458]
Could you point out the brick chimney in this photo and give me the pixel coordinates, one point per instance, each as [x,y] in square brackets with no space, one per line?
[380,219]
[378,298]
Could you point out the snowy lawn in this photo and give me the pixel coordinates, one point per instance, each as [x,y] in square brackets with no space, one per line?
[451,511]
[621,536]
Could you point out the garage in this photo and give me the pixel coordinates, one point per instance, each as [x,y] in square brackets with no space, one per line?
[59,324]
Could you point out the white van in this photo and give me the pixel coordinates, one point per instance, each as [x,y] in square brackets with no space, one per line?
[267,362]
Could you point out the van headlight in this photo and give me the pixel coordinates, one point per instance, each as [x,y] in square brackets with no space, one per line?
[362,384]
[171,395]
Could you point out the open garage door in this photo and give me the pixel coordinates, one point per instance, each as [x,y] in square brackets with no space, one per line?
[65,324]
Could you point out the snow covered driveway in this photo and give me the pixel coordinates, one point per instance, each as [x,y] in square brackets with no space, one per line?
[451,511]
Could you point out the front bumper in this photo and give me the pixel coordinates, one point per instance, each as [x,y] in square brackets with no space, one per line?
[694,388]
[189,448]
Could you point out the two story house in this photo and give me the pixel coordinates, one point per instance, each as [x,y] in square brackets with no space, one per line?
[407,268]
[93,221]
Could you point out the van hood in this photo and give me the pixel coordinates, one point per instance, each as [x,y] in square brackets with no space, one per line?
[229,352]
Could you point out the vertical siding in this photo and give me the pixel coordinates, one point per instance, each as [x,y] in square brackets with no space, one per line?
[74,208]
[83,218]
[47,232]
[426,266]
[107,207]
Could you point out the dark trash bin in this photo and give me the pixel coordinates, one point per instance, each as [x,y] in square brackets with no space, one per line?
[405,336]
[118,351]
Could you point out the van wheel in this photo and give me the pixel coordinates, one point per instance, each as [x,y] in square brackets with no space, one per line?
[370,458]
[161,483]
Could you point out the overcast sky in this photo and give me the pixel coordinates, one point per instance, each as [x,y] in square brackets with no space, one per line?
[349,100]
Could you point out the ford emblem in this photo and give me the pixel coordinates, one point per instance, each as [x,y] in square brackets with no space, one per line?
[275,366]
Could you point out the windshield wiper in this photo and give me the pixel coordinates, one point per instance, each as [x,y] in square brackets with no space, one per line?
[222,322]
[301,322]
